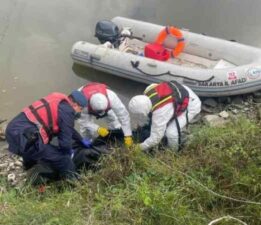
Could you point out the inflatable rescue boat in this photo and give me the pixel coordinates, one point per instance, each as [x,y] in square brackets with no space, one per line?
[147,53]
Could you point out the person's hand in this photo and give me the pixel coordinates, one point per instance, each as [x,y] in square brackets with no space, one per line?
[86,142]
[128,141]
[102,131]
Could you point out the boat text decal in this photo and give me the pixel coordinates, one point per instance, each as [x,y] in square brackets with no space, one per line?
[222,83]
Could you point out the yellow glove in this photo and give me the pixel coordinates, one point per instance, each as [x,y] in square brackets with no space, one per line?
[102,131]
[128,141]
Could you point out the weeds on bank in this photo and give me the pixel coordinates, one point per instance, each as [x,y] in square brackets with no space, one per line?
[217,174]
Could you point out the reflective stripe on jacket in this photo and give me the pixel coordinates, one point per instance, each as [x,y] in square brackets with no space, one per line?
[167,92]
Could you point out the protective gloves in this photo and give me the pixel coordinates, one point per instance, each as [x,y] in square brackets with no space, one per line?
[86,142]
[128,141]
[102,131]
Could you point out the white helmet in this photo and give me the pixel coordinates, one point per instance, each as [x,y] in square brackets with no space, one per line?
[140,104]
[99,102]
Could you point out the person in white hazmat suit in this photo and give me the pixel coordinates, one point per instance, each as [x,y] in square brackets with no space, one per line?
[104,103]
[170,106]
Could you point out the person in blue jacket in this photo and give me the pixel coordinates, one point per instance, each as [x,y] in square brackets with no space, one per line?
[29,134]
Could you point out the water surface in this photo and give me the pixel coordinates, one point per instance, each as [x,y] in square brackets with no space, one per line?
[36,39]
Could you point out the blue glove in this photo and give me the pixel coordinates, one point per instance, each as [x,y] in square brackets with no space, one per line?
[86,142]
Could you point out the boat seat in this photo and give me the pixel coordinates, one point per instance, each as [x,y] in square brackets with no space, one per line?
[132,46]
[136,47]
[192,61]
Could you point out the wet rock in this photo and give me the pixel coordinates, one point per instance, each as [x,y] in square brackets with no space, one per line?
[11,166]
[224,114]
[18,163]
[3,165]
[235,111]
[3,173]
[238,100]
[207,109]
[257,97]
[240,107]
[210,102]
[214,120]
[250,99]
[246,103]
[22,174]
[257,94]
[224,100]
[3,148]
[11,177]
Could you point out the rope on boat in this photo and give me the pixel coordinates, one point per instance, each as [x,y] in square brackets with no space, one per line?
[136,64]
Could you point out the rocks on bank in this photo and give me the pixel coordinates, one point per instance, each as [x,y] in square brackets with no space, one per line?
[217,112]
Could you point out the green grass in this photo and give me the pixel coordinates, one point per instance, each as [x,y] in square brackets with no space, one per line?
[193,187]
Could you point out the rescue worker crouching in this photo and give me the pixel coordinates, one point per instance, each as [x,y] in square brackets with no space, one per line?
[30,132]
[104,103]
[170,107]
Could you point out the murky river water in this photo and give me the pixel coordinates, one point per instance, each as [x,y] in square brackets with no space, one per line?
[36,39]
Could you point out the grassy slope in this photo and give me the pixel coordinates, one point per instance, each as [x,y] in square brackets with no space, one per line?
[134,188]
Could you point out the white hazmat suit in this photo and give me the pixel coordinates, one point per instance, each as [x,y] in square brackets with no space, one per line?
[161,117]
[117,117]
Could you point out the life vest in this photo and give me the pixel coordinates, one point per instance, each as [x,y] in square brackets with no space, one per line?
[168,92]
[93,88]
[44,113]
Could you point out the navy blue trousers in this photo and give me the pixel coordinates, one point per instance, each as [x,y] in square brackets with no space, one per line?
[38,151]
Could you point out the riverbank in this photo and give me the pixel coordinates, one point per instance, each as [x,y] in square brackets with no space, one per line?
[216,174]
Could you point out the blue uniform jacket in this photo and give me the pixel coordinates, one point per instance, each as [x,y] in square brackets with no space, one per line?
[66,118]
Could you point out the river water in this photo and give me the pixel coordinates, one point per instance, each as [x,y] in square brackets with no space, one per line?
[36,38]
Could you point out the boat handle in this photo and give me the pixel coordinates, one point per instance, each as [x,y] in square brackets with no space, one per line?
[95,56]
[152,64]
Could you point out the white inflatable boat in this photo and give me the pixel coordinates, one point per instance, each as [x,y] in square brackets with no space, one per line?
[210,66]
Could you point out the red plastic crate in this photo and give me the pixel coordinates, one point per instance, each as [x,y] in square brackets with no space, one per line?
[156,51]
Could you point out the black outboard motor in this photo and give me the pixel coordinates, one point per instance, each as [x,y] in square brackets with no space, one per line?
[108,31]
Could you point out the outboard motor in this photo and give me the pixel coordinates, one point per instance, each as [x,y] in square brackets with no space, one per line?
[108,31]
